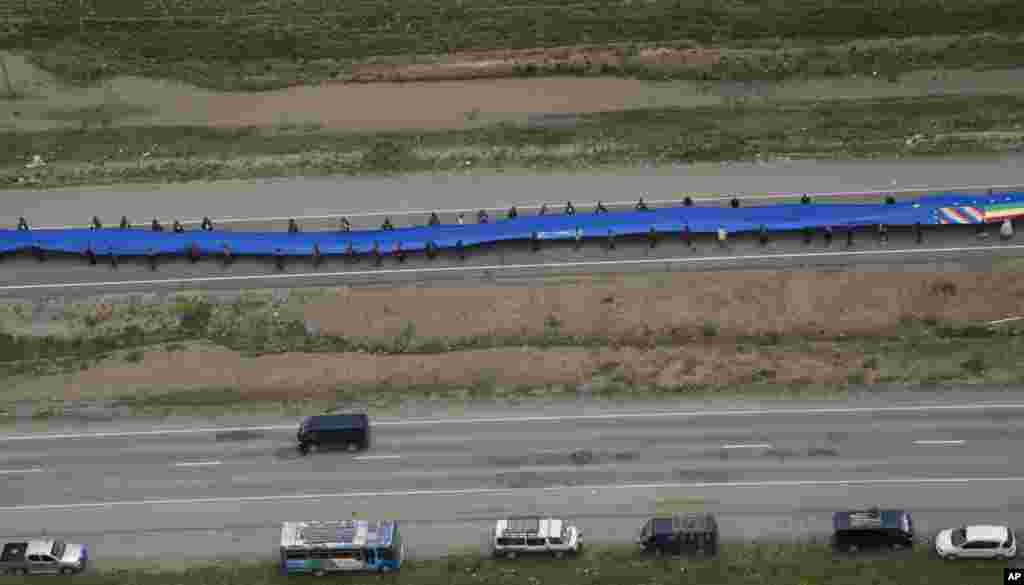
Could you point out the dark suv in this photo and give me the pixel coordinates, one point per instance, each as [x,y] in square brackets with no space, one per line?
[680,534]
[351,431]
[872,529]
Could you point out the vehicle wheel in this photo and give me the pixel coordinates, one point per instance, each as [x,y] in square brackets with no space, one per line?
[319,573]
[385,569]
[21,572]
[559,554]
[949,557]
[510,555]
[66,570]
[851,549]
[352,447]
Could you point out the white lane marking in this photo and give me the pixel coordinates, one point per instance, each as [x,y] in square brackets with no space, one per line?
[502,267]
[197,463]
[748,446]
[18,471]
[487,491]
[924,189]
[940,442]
[375,457]
[549,418]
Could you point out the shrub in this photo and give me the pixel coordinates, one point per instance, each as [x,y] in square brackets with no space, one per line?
[710,329]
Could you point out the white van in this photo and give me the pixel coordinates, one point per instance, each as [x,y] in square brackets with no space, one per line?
[536,535]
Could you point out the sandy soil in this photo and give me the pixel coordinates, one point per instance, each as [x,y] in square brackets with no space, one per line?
[298,376]
[439,95]
[739,302]
[630,306]
[500,63]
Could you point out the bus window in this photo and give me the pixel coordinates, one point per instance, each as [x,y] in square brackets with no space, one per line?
[371,556]
[295,555]
[353,555]
[387,554]
[534,542]
[319,554]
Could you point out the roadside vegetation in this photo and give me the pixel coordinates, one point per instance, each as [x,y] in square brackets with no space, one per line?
[824,129]
[611,565]
[766,366]
[230,44]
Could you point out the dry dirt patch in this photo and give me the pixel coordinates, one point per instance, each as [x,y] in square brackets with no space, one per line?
[308,376]
[740,303]
[504,63]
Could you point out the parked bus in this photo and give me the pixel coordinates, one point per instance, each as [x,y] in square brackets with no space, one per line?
[336,546]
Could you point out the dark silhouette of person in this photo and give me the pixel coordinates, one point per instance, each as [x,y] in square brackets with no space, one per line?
[193,253]
[152,259]
[805,200]
[513,212]
[96,223]
[641,206]
[687,236]
[808,235]
[22,225]
[890,200]
[387,225]
[399,252]
[735,203]
[543,209]
[763,235]
[601,208]
[534,241]
[652,237]
[883,233]
[207,225]
[849,236]
[688,202]
[227,255]
[124,223]
[293,227]
[279,258]
[317,257]
[460,250]
[431,250]
[178,228]
[611,240]
[570,209]
[91,255]
[345,225]
[918,232]
[828,236]
[482,217]
[434,219]
[155,226]
[39,253]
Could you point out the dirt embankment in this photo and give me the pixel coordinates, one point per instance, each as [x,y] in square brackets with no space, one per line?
[508,63]
[739,303]
[630,307]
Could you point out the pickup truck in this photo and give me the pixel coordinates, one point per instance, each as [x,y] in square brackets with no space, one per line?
[43,557]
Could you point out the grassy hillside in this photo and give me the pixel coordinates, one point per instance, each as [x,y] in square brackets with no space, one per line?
[200,38]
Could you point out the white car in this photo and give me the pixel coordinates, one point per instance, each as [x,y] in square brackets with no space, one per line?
[535,535]
[976,542]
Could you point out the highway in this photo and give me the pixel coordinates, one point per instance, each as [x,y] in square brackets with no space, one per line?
[419,194]
[943,248]
[769,472]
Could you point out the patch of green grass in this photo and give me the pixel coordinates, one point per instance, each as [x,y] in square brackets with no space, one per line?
[737,564]
[227,43]
[839,128]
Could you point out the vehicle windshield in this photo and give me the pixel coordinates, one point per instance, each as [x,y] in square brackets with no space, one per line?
[959,536]
[58,549]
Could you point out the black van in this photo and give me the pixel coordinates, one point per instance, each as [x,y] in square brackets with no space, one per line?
[680,534]
[351,431]
[872,529]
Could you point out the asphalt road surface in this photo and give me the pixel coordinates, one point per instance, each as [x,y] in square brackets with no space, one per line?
[769,473]
[420,194]
[943,248]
